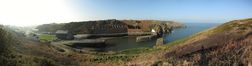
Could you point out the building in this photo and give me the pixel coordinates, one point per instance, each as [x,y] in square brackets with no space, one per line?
[64,35]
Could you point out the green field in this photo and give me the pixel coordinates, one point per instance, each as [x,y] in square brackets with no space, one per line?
[47,38]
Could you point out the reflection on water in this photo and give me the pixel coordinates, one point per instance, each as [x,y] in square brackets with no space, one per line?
[122,43]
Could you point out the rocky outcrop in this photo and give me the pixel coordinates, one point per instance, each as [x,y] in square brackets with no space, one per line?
[164,28]
[109,26]
[97,27]
[145,38]
[160,42]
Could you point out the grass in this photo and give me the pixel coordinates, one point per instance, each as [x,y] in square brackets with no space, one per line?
[113,58]
[117,57]
[136,50]
[47,38]
[132,54]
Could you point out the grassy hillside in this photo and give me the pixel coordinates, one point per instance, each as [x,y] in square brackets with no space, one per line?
[47,38]
[12,52]
[113,26]
[228,44]
[53,27]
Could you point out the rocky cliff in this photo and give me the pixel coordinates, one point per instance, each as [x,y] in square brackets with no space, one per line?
[110,26]
[228,44]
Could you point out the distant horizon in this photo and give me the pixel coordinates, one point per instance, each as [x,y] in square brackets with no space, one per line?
[35,12]
[118,19]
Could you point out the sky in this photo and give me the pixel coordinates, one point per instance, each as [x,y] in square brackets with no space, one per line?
[35,12]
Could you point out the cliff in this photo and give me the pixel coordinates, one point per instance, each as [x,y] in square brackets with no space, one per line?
[109,26]
[226,45]
[229,44]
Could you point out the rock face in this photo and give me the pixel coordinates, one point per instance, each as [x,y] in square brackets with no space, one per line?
[160,30]
[97,27]
[160,42]
[110,26]
[166,27]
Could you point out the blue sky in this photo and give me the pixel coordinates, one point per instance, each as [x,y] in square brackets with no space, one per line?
[36,12]
[179,10]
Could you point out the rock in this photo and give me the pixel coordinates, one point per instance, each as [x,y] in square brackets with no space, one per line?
[160,41]
[145,38]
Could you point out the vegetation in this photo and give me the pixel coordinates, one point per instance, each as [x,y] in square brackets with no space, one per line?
[225,45]
[47,38]
[217,46]
[10,57]
[5,52]
[50,27]
[137,50]
[89,27]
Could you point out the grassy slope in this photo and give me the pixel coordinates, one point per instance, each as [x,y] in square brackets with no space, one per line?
[183,51]
[220,46]
[47,38]
[209,38]
[12,55]
[85,26]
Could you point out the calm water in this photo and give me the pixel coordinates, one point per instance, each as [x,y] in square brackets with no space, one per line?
[191,28]
[123,43]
